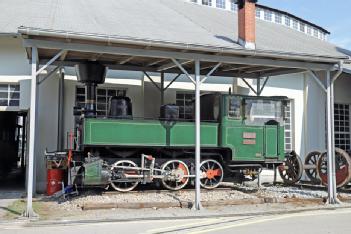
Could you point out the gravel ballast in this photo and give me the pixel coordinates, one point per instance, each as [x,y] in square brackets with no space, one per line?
[231,193]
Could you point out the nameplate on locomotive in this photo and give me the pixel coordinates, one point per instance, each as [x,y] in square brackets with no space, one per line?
[249,135]
[249,142]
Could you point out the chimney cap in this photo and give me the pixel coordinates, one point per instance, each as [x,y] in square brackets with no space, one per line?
[241,3]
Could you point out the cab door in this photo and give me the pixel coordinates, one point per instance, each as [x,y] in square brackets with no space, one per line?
[271,141]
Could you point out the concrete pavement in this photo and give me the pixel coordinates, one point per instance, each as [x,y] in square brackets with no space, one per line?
[332,221]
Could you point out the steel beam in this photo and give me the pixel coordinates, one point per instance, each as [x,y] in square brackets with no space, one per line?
[124,61]
[156,62]
[152,81]
[282,72]
[58,55]
[237,68]
[211,72]
[172,65]
[172,81]
[32,130]
[317,80]
[260,70]
[231,59]
[264,85]
[247,83]
[48,75]
[184,71]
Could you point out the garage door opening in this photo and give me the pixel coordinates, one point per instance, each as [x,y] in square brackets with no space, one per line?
[12,150]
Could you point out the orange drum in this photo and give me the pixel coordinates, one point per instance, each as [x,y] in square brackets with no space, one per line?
[54,181]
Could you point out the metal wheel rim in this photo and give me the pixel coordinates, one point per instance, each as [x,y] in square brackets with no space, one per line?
[342,159]
[294,172]
[312,159]
[180,183]
[124,186]
[211,183]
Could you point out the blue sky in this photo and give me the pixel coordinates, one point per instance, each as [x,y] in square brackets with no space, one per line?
[333,15]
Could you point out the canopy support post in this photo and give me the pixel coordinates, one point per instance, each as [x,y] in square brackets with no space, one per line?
[162,88]
[258,88]
[197,205]
[61,109]
[32,129]
[330,152]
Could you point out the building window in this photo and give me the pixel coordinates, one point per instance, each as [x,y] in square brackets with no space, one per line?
[258,13]
[295,24]
[302,27]
[207,2]
[288,127]
[322,36]
[342,126]
[268,15]
[309,30]
[103,96]
[233,6]
[287,21]
[315,32]
[185,102]
[278,18]
[220,4]
[9,94]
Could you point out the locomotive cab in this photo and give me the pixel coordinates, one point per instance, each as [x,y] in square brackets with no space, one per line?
[253,127]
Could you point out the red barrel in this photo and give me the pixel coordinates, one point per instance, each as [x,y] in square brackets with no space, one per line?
[54,181]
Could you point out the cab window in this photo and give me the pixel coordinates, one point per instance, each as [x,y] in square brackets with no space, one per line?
[259,112]
[234,107]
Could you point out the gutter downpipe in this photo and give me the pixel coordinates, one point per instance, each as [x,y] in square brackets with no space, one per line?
[253,53]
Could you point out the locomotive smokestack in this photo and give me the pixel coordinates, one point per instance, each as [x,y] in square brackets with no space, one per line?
[247,23]
[91,74]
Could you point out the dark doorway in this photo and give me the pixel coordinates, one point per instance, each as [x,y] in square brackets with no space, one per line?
[12,150]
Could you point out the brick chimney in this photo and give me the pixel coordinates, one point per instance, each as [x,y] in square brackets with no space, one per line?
[247,23]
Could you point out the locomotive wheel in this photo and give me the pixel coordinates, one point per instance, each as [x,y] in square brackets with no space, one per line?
[342,167]
[212,174]
[124,186]
[176,174]
[312,160]
[291,170]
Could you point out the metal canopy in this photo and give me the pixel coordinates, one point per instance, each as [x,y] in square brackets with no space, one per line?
[157,59]
[47,51]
